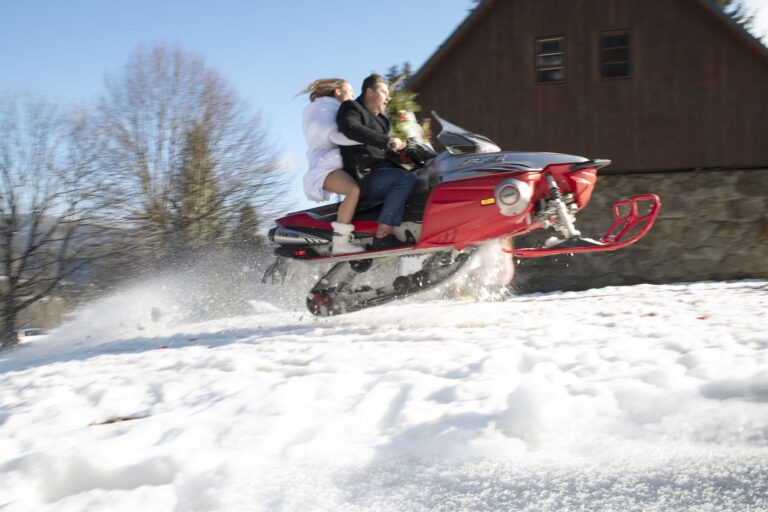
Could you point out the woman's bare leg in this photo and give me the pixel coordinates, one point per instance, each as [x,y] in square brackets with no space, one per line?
[340,182]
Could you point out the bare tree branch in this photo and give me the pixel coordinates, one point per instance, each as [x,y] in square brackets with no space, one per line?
[46,183]
[146,119]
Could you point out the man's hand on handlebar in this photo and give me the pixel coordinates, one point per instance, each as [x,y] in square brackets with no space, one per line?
[395,144]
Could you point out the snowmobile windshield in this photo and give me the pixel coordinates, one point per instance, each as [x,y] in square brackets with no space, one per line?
[459,141]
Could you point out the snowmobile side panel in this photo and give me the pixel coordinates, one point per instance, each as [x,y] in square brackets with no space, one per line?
[582,183]
[463,213]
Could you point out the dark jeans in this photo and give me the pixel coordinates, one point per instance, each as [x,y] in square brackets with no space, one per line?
[392,185]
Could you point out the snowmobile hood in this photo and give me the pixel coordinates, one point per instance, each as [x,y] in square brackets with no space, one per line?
[452,167]
[469,152]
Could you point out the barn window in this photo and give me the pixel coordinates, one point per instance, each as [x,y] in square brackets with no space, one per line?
[550,59]
[615,54]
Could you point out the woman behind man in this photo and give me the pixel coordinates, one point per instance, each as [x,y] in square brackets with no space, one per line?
[326,174]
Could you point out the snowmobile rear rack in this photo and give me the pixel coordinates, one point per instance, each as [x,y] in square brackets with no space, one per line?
[615,238]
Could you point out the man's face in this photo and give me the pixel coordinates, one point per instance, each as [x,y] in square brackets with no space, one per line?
[377,98]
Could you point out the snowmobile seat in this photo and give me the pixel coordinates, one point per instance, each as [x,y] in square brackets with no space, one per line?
[414,207]
[369,210]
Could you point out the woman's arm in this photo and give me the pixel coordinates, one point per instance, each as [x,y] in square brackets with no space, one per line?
[340,139]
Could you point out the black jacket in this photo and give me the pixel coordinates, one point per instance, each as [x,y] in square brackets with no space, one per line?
[358,123]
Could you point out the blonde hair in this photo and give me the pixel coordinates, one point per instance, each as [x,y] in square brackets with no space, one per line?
[323,87]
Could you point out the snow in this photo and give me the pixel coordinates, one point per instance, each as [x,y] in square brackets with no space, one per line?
[627,398]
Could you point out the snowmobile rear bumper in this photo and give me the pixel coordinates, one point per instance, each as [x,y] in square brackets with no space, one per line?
[626,229]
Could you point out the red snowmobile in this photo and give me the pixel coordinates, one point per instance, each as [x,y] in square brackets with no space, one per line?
[467,195]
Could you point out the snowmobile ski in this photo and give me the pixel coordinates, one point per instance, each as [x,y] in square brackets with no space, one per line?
[616,237]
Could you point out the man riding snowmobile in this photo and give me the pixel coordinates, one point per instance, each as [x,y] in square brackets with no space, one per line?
[380,180]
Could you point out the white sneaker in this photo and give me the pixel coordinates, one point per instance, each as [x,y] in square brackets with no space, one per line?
[341,243]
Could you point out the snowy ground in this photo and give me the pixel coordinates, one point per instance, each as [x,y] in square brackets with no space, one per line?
[637,398]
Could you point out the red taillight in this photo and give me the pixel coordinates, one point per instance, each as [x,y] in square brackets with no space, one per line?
[300,252]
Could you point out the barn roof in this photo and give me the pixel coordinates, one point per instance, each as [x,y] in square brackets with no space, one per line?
[484,5]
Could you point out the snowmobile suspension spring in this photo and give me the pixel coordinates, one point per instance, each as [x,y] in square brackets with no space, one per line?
[554,190]
[562,213]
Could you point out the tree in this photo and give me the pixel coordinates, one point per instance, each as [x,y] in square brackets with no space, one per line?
[196,208]
[248,248]
[738,12]
[181,151]
[48,204]
[245,235]
[402,101]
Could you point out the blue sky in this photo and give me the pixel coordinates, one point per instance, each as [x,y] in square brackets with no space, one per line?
[267,50]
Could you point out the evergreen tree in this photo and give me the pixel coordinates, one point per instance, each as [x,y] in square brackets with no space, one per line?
[402,101]
[197,202]
[738,12]
[245,234]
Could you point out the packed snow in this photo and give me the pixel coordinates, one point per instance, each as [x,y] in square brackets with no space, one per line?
[644,398]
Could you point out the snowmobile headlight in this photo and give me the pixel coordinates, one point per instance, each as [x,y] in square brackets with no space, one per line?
[512,197]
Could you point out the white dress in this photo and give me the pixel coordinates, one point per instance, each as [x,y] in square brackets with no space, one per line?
[323,139]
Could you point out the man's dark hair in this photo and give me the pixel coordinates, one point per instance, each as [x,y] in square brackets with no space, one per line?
[372,81]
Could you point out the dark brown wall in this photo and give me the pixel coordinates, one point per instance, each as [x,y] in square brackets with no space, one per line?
[697,97]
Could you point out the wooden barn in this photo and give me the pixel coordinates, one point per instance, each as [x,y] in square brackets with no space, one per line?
[674,93]
[650,85]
